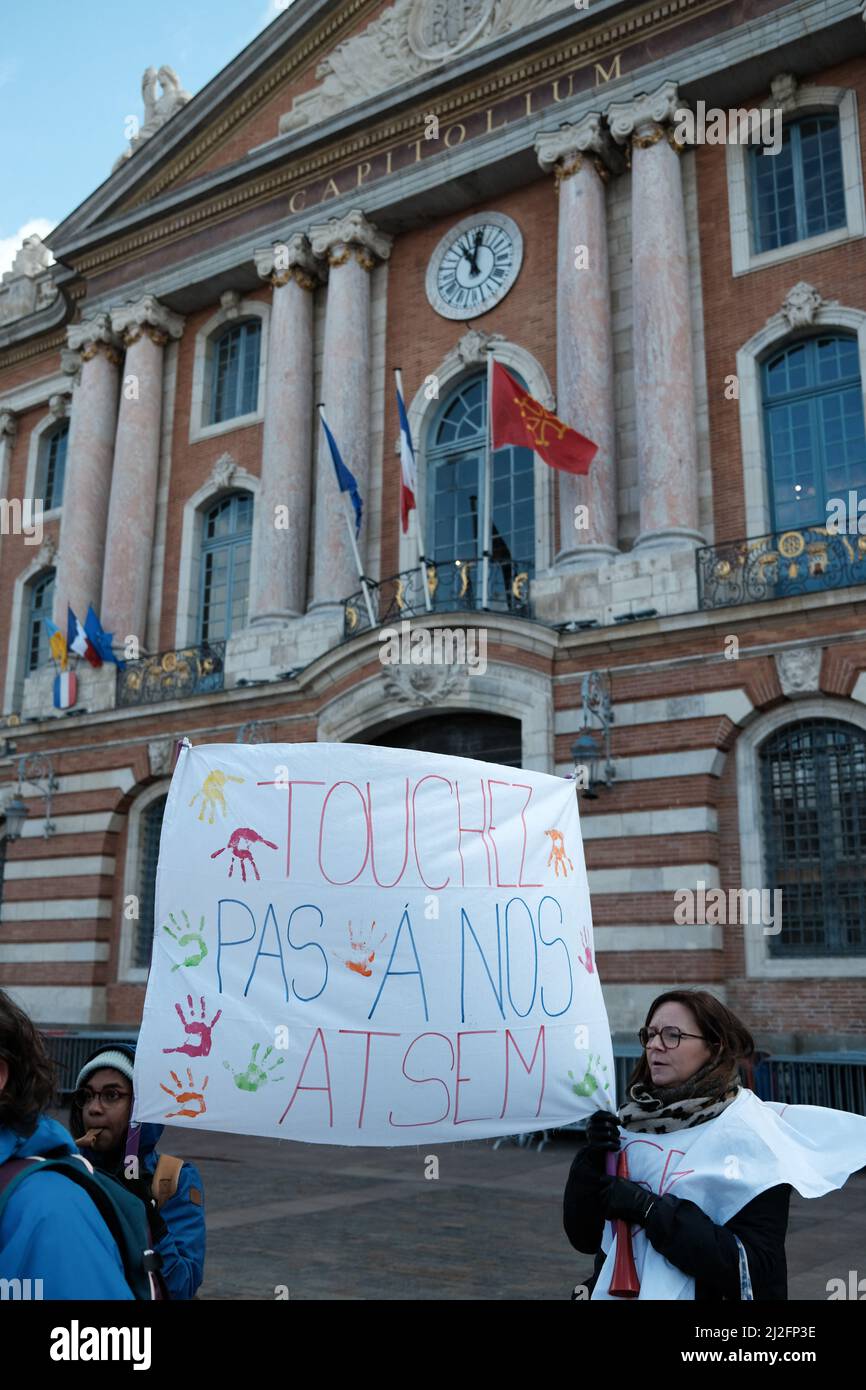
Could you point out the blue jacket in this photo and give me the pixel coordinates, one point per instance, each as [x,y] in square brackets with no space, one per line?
[51,1230]
[183,1246]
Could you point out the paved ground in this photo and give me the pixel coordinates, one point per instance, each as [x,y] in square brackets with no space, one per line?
[333,1223]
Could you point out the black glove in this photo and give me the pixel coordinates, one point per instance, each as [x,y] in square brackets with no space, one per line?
[602,1131]
[623,1200]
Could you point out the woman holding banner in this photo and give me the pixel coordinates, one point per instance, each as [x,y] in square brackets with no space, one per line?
[732,1159]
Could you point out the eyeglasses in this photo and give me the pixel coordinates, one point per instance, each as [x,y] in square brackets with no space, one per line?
[670,1036]
[109,1095]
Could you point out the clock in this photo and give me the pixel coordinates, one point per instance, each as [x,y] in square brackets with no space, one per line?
[474,265]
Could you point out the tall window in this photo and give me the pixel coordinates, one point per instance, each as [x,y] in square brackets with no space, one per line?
[813,790]
[151,828]
[52,466]
[235,382]
[816,440]
[41,603]
[225,567]
[800,191]
[455,476]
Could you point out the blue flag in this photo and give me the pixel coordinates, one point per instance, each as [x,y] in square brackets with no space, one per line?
[99,639]
[346,480]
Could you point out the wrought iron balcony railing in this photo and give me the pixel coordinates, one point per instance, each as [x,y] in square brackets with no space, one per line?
[780,565]
[452,587]
[172,675]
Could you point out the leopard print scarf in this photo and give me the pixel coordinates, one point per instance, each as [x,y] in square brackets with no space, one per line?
[660,1109]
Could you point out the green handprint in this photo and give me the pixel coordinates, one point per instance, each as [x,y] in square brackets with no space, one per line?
[196,958]
[589,1082]
[255,1074]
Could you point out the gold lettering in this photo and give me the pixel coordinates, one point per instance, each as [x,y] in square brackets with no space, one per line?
[416,145]
[613,71]
[363,170]
[388,162]
[331,190]
[556,96]
[459,126]
[490,126]
[298,193]
[529,103]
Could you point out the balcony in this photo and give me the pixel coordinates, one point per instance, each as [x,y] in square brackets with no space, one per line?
[452,587]
[172,675]
[780,565]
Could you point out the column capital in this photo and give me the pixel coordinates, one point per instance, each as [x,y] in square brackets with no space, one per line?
[148,316]
[339,237]
[562,151]
[8,425]
[289,260]
[644,115]
[86,339]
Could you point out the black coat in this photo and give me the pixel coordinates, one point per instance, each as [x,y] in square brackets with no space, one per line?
[687,1237]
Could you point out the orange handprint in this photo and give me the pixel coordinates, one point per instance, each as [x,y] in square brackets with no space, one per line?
[557,853]
[183,1097]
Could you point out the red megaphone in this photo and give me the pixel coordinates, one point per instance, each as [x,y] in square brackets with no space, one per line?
[624,1282]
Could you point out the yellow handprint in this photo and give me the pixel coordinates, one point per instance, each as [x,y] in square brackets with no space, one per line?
[211,794]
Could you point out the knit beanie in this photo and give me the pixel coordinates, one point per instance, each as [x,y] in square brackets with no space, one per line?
[110,1058]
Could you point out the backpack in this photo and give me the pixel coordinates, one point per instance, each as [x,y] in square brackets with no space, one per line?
[122,1212]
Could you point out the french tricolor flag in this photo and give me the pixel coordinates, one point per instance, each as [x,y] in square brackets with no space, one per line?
[78,641]
[408,481]
[65,689]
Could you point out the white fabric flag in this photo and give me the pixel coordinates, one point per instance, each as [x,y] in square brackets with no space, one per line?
[722,1165]
[360,945]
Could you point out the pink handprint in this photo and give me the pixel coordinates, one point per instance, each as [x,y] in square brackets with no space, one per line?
[200,1030]
[239,842]
[587,964]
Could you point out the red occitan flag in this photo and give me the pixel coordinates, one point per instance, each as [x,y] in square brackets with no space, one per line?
[517,418]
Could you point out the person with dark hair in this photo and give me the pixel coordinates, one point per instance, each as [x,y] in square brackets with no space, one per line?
[171,1190]
[51,1232]
[738,1156]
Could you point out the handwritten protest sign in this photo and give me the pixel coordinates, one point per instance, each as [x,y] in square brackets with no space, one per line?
[359,945]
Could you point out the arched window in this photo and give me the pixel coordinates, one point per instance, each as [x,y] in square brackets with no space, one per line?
[51,472]
[225,566]
[455,503]
[813,795]
[41,602]
[816,440]
[235,381]
[799,192]
[150,830]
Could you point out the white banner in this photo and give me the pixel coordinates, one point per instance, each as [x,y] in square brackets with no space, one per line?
[724,1164]
[359,945]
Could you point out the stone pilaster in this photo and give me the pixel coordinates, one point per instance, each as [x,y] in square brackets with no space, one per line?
[279,576]
[352,246]
[92,360]
[663,365]
[581,158]
[8,431]
[145,328]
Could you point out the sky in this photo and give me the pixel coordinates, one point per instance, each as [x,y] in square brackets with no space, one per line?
[70,76]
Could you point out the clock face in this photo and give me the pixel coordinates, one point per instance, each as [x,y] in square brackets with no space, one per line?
[474,266]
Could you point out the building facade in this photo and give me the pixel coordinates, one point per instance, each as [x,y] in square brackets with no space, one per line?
[417,185]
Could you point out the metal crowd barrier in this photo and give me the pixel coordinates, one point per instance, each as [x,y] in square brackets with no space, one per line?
[70,1050]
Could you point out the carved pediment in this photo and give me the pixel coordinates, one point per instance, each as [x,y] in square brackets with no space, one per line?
[409,38]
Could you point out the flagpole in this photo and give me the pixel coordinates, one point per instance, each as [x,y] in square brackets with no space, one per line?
[350,527]
[398,374]
[487,509]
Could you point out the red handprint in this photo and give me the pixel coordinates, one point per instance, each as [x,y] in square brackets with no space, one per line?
[244,856]
[587,964]
[200,1030]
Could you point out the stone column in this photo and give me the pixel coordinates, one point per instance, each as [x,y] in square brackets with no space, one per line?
[93,357]
[663,365]
[278,584]
[145,328]
[582,157]
[351,245]
[8,431]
